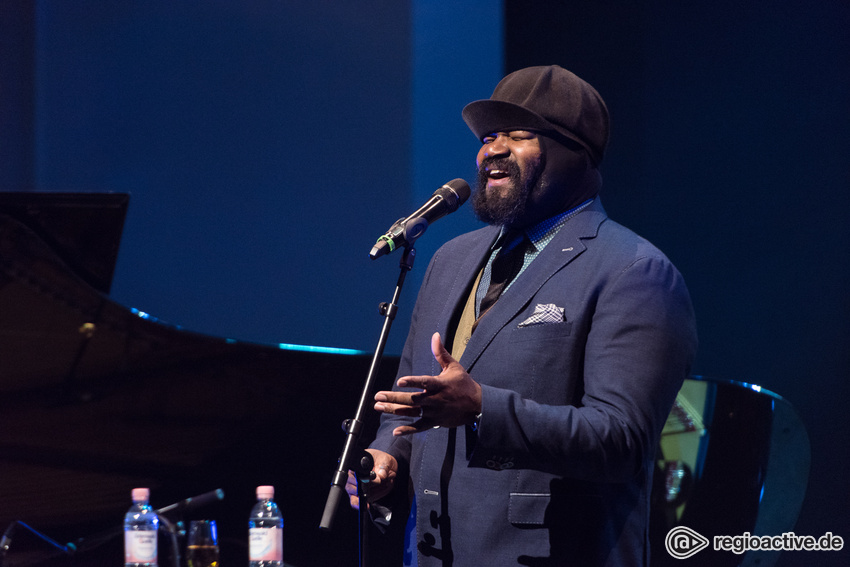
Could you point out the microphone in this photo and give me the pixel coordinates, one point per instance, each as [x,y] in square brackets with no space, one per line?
[193,502]
[405,231]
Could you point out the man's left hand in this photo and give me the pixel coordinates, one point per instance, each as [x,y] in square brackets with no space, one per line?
[451,399]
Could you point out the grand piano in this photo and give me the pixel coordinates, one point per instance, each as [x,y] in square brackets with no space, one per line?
[97,398]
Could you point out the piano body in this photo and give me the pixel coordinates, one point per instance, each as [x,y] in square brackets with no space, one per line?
[97,398]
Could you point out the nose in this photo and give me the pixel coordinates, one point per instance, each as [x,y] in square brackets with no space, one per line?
[496,147]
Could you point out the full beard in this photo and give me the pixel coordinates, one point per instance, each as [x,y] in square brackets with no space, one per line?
[511,207]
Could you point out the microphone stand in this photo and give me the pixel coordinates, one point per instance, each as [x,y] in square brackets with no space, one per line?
[6,541]
[172,533]
[353,427]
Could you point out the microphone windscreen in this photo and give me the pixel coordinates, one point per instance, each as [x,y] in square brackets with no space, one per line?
[462,189]
[455,192]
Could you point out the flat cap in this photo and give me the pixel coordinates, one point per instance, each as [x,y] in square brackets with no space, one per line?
[546,99]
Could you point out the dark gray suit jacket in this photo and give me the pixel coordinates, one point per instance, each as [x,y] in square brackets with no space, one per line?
[559,471]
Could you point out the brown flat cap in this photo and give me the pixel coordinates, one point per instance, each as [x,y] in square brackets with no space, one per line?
[549,100]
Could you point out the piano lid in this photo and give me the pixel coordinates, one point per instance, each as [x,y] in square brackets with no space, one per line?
[83,229]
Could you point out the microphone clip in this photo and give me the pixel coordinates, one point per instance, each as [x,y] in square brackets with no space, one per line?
[410,229]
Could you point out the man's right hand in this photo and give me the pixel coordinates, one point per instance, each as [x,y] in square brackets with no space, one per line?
[385,469]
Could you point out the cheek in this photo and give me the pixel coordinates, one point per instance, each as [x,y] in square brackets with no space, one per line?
[563,163]
[531,168]
[482,154]
[530,160]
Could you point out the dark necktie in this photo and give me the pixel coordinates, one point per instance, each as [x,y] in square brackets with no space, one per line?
[505,267]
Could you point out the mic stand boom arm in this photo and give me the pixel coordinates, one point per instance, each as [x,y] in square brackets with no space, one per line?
[354,427]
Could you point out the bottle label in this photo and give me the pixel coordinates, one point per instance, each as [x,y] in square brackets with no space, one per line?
[140,546]
[265,544]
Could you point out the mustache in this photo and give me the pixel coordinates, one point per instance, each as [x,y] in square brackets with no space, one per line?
[510,167]
[505,164]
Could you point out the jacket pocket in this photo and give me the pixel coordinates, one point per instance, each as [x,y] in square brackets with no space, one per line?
[583,512]
[541,332]
[528,509]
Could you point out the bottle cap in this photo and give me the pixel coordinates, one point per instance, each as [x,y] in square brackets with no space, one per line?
[265,492]
[141,494]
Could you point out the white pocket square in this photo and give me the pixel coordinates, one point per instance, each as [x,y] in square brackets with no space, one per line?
[543,314]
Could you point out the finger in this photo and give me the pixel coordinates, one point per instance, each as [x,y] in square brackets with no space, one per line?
[398,409]
[440,353]
[381,472]
[401,398]
[381,458]
[415,427]
[351,484]
[429,383]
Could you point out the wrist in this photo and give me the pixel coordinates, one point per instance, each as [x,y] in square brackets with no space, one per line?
[479,407]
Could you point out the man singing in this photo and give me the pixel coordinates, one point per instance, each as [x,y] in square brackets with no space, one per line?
[544,353]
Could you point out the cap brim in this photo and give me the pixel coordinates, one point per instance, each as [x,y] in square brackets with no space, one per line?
[487,116]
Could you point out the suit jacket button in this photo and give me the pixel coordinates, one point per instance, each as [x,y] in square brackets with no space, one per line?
[498,464]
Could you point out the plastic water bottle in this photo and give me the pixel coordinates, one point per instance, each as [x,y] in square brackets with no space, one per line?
[140,528]
[265,531]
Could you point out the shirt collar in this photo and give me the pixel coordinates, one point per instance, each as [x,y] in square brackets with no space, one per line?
[545,229]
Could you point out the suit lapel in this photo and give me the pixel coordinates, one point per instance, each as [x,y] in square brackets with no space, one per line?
[465,270]
[564,248]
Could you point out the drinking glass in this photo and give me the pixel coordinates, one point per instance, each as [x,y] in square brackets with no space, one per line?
[202,544]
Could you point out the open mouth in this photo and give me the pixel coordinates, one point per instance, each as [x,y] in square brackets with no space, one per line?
[497,174]
[498,178]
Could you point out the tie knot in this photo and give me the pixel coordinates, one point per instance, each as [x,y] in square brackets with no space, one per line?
[511,240]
